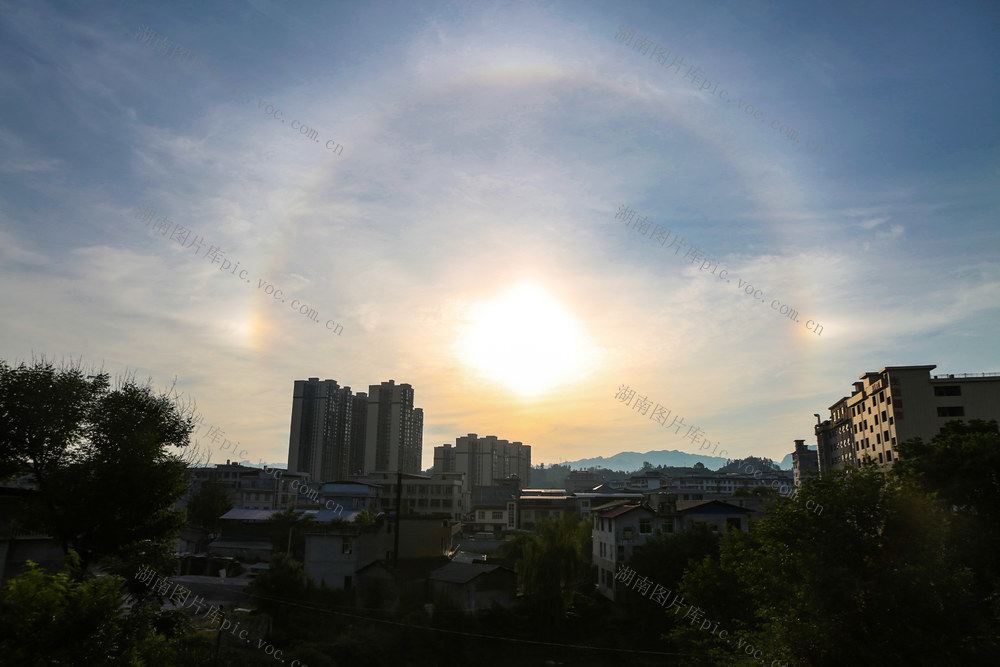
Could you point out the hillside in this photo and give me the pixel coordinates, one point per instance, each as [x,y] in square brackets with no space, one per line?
[635,460]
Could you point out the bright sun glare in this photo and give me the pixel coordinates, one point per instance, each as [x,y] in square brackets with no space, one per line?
[525,340]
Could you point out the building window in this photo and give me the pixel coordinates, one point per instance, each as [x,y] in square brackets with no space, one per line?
[498,516]
[951,411]
[880,457]
[348,545]
[948,390]
[645,526]
[482,515]
[888,455]
[733,522]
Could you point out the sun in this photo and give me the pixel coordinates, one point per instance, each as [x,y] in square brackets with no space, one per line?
[525,340]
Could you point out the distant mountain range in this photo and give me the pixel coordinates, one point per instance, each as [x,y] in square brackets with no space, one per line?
[629,461]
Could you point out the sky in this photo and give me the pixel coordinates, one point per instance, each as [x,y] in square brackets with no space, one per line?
[525,210]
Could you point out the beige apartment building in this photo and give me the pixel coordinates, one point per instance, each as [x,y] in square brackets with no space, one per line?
[898,403]
[485,460]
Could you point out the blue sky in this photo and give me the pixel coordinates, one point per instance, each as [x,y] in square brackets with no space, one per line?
[465,237]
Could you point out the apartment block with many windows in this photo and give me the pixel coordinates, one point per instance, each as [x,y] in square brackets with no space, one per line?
[485,460]
[335,433]
[898,403]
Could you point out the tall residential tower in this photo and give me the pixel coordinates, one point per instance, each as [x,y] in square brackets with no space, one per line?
[335,433]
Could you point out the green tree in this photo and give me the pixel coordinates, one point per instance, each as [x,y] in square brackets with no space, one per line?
[664,558]
[50,619]
[749,465]
[209,503]
[874,568]
[555,563]
[287,529]
[284,580]
[99,456]
[960,468]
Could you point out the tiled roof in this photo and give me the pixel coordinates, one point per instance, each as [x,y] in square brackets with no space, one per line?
[714,507]
[618,511]
[462,573]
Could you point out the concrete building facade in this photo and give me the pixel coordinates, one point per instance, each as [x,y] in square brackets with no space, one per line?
[898,403]
[322,430]
[335,433]
[805,461]
[252,488]
[484,460]
[440,493]
[394,435]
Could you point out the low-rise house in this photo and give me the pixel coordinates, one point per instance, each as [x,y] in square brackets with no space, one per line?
[473,587]
[254,488]
[721,516]
[382,585]
[618,529]
[352,495]
[335,553]
[440,494]
[603,494]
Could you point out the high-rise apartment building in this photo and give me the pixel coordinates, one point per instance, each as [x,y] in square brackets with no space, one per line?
[335,433]
[321,431]
[898,403]
[394,437]
[484,460]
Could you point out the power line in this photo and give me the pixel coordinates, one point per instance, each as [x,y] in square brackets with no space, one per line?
[473,634]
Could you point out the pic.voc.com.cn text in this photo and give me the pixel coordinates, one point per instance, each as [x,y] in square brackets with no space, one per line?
[215,255]
[177,53]
[662,235]
[181,597]
[626,576]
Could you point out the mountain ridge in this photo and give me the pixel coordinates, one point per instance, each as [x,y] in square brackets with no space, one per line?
[658,457]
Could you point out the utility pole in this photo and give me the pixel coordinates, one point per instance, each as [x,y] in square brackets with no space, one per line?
[399,511]
[218,638]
